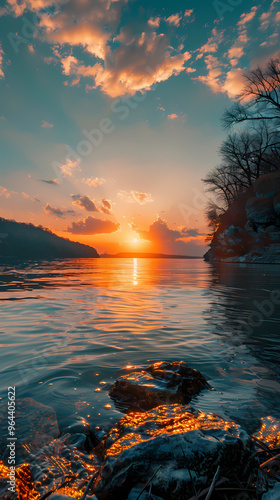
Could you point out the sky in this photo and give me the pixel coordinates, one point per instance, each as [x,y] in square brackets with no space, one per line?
[110,113]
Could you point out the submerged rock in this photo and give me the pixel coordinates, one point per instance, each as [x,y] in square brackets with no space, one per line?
[187,446]
[158,384]
[35,423]
[60,465]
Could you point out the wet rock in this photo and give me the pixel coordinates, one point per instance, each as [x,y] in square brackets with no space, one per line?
[57,496]
[188,446]
[160,383]
[61,462]
[78,426]
[273,494]
[135,492]
[269,432]
[257,213]
[35,423]
[260,210]
[24,484]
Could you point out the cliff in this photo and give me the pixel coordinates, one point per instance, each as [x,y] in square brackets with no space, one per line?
[20,240]
[250,229]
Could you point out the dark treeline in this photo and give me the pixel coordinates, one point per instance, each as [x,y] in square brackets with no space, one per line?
[21,240]
[252,147]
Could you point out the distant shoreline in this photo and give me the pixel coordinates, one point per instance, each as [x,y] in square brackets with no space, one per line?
[132,255]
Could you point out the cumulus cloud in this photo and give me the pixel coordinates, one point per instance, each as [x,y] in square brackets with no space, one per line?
[126,62]
[174,19]
[133,67]
[212,44]
[168,240]
[234,82]
[18,7]
[246,17]
[173,116]
[92,226]
[154,22]
[271,17]
[70,167]
[84,202]
[236,51]
[51,210]
[212,79]
[45,124]
[106,207]
[188,13]
[93,181]
[135,196]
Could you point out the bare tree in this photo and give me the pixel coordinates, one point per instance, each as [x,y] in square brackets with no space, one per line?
[245,156]
[260,98]
[213,214]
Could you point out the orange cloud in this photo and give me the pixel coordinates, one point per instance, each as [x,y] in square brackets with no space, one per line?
[234,82]
[247,17]
[154,22]
[188,13]
[213,78]
[50,210]
[135,67]
[18,7]
[91,226]
[106,206]
[5,192]
[212,43]
[61,30]
[93,181]
[237,49]
[69,167]
[135,196]
[174,19]
[137,63]
[173,116]
[170,241]
[84,202]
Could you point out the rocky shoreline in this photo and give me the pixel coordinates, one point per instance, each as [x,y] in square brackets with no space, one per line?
[161,449]
[249,231]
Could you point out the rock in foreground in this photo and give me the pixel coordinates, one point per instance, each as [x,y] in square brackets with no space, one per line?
[160,383]
[187,446]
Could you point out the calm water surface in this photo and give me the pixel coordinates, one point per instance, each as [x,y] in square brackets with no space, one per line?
[69,328]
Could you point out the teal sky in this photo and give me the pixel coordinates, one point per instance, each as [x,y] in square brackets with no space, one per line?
[151,83]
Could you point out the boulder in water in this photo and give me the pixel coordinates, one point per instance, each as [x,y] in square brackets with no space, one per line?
[175,445]
[160,383]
